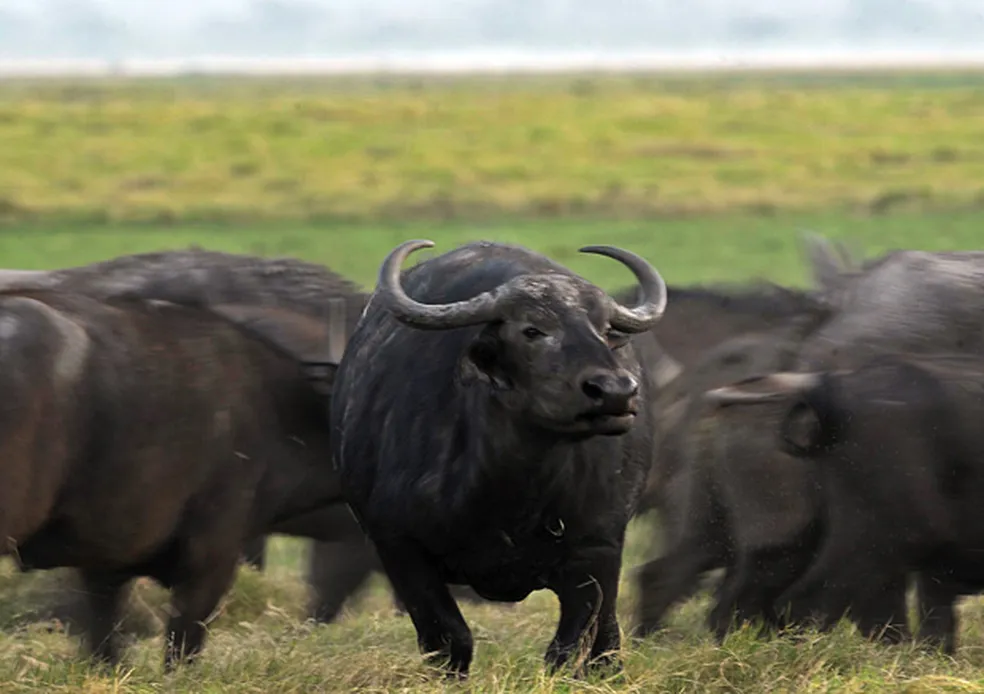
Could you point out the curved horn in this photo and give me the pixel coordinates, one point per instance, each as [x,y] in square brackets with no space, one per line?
[479,309]
[766,388]
[653,303]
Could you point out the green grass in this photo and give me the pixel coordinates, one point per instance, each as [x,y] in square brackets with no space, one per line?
[259,641]
[580,146]
[684,250]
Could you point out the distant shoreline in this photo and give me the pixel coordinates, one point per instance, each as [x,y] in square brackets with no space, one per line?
[470,62]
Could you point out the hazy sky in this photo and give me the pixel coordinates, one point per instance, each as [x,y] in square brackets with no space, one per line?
[184,28]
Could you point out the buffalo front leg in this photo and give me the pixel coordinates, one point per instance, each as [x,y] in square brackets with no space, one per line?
[193,600]
[441,630]
[588,592]
[103,593]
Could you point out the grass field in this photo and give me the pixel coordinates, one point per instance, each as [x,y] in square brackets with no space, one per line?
[344,149]
[261,644]
[707,249]
[278,169]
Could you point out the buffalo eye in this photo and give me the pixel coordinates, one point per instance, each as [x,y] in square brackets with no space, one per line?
[532,333]
[616,339]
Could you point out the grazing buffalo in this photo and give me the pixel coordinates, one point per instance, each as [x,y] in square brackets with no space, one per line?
[151,439]
[484,422]
[897,450]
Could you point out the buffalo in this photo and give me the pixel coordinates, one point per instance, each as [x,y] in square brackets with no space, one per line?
[713,483]
[492,427]
[712,488]
[291,301]
[896,447]
[696,318]
[151,439]
[905,301]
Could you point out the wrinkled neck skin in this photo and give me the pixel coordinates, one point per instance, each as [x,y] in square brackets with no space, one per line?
[506,457]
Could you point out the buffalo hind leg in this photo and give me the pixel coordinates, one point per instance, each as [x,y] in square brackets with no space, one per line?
[842,581]
[103,593]
[193,600]
[938,622]
[336,572]
[588,593]
[878,610]
[254,553]
[441,630]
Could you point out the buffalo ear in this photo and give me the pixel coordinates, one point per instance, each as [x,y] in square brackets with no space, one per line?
[485,357]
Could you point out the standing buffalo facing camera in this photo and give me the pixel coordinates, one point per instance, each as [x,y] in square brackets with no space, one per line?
[491,424]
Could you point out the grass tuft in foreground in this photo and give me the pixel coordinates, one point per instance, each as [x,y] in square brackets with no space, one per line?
[259,642]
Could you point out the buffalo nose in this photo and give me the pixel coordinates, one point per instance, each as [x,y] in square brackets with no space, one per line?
[610,390]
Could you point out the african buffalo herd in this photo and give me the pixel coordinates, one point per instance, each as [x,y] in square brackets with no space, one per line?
[486,423]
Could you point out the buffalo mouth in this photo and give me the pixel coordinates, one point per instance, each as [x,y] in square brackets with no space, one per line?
[607,421]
